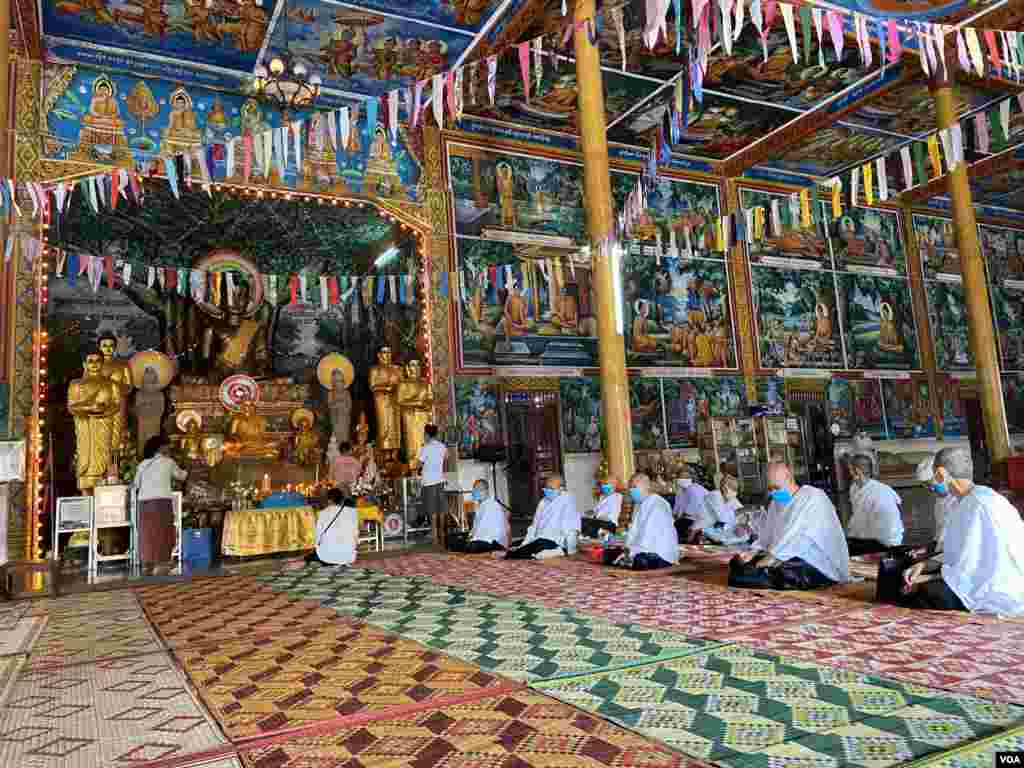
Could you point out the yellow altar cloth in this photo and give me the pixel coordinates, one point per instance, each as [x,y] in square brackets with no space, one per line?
[369,512]
[250,532]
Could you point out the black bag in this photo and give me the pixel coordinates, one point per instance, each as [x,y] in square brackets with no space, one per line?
[457,541]
[889,588]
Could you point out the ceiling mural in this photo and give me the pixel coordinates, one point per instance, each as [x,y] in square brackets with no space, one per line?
[830,149]
[909,109]
[467,15]
[1004,189]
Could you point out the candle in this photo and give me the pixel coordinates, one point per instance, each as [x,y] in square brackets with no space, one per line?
[266,483]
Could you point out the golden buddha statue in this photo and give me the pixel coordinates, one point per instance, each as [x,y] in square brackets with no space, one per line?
[384,379]
[216,120]
[247,435]
[192,440]
[307,442]
[416,403]
[362,447]
[102,125]
[119,372]
[95,403]
[181,134]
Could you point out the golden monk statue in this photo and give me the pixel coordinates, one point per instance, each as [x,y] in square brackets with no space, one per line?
[95,403]
[415,401]
[119,372]
[384,379]
[182,134]
[102,125]
[247,435]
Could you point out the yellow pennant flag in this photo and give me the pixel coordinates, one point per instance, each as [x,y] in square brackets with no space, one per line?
[866,172]
[837,199]
[933,153]
[758,224]
[805,209]
[720,235]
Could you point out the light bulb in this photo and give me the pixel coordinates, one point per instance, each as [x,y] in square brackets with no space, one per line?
[300,69]
[276,65]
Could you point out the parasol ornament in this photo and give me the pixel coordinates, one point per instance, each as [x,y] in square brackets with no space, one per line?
[236,390]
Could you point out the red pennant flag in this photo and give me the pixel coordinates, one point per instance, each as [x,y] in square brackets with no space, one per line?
[170,279]
[524,67]
[293,283]
[332,289]
[108,267]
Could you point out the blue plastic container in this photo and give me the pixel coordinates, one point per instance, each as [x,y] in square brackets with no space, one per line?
[197,544]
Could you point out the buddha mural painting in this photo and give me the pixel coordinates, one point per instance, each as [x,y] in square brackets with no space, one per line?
[182,134]
[102,128]
[248,28]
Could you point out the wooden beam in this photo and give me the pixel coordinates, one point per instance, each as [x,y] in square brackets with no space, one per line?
[29,28]
[988,166]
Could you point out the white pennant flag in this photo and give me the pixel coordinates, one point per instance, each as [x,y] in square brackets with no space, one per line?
[492,76]
[725,6]
[150,277]
[324,299]
[1004,117]
[883,178]
[737,27]
[273,289]
[302,287]
[332,131]
[459,98]
[229,158]
[787,18]
[854,186]
[297,134]
[229,282]
[908,170]
[816,15]
[946,139]
[344,127]
[437,99]
[126,273]
[393,116]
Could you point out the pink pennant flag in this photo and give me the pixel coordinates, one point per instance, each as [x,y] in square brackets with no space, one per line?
[450,87]
[993,49]
[981,129]
[770,11]
[524,67]
[417,94]
[835,30]
[961,51]
[895,46]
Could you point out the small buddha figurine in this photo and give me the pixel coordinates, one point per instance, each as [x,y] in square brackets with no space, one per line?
[247,435]
[362,449]
[307,442]
[192,441]
[181,134]
[102,125]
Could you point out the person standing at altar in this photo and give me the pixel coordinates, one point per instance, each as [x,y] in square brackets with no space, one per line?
[346,467]
[431,460]
[152,485]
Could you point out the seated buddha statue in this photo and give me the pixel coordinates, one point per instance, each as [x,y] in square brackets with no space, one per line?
[247,435]
[320,165]
[216,121]
[102,125]
[181,134]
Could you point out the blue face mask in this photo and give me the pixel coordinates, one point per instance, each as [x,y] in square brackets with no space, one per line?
[606,488]
[478,495]
[550,493]
[636,495]
[781,495]
[939,489]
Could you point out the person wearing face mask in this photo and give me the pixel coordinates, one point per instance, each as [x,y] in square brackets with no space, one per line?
[982,569]
[556,523]
[605,514]
[876,523]
[718,522]
[800,546]
[945,501]
[490,522]
[689,506]
[652,541]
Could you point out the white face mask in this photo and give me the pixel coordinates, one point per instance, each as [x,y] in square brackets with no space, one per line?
[685,483]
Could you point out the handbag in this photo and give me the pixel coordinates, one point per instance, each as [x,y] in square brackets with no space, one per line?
[891,567]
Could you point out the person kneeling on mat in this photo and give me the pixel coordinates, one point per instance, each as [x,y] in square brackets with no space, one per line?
[490,522]
[652,541]
[337,531]
[555,526]
[800,546]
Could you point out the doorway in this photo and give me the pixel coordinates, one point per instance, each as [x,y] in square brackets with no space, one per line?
[971,408]
[534,446]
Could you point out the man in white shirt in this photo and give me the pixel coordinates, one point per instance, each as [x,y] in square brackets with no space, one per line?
[605,514]
[337,531]
[152,485]
[718,523]
[876,523]
[555,525]
[801,544]
[689,506]
[982,566]
[431,461]
[490,522]
[945,501]
[652,541]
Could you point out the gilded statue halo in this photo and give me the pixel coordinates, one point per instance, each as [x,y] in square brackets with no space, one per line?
[161,364]
[188,417]
[225,260]
[238,389]
[302,416]
[329,364]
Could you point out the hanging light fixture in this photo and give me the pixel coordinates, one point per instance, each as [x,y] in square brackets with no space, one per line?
[286,80]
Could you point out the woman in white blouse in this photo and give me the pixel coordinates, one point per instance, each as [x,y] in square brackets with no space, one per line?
[718,522]
[605,514]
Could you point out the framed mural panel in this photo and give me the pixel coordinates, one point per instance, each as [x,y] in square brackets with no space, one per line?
[868,240]
[771,394]
[476,406]
[1008,308]
[684,210]
[682,411]
[948,316]
[856,406]
[582,426]
[795,248]
[907,410]
[725,396]
[1003,250]
[646,412]
[878,320]
[936,242]
[796,318]
[678,312]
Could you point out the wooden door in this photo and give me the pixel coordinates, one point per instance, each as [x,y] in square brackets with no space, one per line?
[534,450]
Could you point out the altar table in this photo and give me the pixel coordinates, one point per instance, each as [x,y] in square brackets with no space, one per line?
[251,532]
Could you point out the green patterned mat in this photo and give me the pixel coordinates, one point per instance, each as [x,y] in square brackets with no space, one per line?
[977,754]
[741,708]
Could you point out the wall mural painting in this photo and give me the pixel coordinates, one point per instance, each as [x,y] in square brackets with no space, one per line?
[677,313]
[476,404]
[907,410]
[805,248]
[726,395]
[129,122]
[856,406]
[469,15]
[936,241]
[1003,250]
[948,316]
[646,413]
[582,427]
[225,33]
[954,419]
[503,196]
[831,148]
[660,62]
[878,318]
[796,317]
[1008,307]
[524,305]
[684,407]
[1013,397]
[689,209]
[868,240]
[771,394]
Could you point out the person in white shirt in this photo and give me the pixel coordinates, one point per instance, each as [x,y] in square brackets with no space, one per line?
[555,525]
[718,523]
[491,527]
[431,461]
[876,523]
[944,500]
[652,541]
[337,531]
[605,514]
[801,544]
[689,506]
[152,486]
[982,568]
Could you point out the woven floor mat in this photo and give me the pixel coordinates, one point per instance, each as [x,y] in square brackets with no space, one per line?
[267,685]
[85,603]
[104,714]
[19,637]
[75,638]
[978,754]
[738,707]
[517,730]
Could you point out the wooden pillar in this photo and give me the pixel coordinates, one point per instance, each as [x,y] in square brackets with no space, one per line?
[979,311]
[7,270]
[598,202]
[739,280]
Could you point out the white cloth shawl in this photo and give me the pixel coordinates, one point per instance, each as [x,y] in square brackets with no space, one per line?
[553,520]
[608,508]
[489,523]
[945,507]
[718,510]
[876,514]
[808,528]
[653,530]
[984,564]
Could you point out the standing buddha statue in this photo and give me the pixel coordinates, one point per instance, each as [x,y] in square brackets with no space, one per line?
[416,403]
[384,380]
[95,403]
[120,373]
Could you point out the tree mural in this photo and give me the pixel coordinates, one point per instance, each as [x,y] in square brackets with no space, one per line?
[797,319]
[879,322]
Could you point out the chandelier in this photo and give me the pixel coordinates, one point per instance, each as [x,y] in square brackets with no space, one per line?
[286,80]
